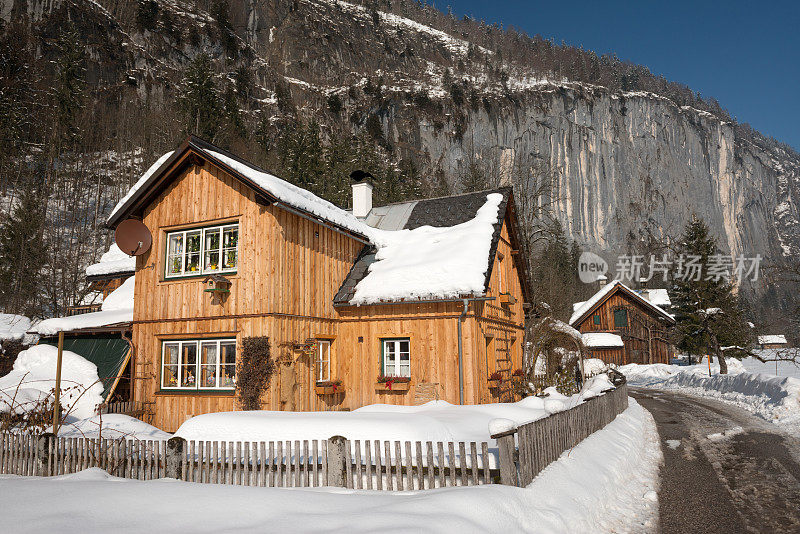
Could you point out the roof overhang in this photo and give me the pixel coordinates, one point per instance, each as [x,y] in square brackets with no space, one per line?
[631,293]
[195,151]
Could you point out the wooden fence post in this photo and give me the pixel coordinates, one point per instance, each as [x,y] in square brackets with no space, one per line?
[176,448]
[508,464]
[336,461]
[43,452]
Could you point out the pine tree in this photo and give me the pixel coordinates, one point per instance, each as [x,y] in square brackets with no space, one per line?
[22,251]
[69,85]
[301,156]
[708,313]
[199,101]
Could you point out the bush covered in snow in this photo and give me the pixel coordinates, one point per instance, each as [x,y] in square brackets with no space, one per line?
[30,385]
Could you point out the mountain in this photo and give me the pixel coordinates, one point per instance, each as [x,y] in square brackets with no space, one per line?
[628,155]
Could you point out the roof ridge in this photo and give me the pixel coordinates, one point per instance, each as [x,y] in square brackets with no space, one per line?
[493,190]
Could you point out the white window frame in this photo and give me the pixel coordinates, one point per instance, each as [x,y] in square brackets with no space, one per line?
[185,253]
[198,343]
[323,357]
[395,368]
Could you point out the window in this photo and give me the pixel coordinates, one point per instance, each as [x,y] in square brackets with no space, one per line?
[323,360]
[596,319]
[198,364]
[621,318]
[202,251]
[396,357]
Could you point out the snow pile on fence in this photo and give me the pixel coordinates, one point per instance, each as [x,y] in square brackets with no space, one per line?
[775,398]
[111,262]
[605,484]
[116,308]
[432,421]
[430,262]
[32,379]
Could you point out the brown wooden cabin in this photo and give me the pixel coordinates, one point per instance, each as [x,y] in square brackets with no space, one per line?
[291,273]
[619,310]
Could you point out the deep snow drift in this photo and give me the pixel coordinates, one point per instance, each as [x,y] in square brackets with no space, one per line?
[607,483]
[748,385]
[33,377]
[112,426]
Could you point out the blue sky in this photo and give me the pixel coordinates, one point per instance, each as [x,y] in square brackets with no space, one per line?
[744,54]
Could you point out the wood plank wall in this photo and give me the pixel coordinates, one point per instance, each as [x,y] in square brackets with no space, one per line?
[289,270]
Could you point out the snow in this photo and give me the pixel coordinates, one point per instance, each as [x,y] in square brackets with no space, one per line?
[601,340]
[500,425]
[659,297]
[772,339]
[432,421]
[13,327]
[749,384]
[604,484]
[111,262]
[33,378]
[116,308]
[297,197]
[584,307]
[673,443]
[112,426]
[139,183]
[593,366]
[430,262]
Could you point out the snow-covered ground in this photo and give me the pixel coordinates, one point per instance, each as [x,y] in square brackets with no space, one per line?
[432,421]
[607,483]
[112,426]
[750,384]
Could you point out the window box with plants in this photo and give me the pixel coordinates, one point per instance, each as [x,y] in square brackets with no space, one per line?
[495,379]
[393,383]
[330,387]
[518,375]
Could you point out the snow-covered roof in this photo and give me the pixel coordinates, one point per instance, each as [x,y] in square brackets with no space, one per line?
[13,327]
[260,180]
[772,339]
[601,340]
[430,262]
[606,290]
[113,261]
[116,308]
[659,297]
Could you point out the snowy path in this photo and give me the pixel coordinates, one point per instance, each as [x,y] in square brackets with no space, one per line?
[725,470]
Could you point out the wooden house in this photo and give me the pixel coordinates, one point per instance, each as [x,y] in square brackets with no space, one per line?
[621,326]
[332,290]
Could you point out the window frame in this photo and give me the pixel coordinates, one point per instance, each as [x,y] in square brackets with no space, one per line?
[397,365]
[203,230]
[318,359]
[596,319]
[627,319]
[198,344]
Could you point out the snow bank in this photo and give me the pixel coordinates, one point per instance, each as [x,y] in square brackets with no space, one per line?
[112,426]
[605,484]
[430,262]
[13,327]
[775,398]
[432,421]
[602,340]
[112,262]
[33,378]
[593,366]
[116,308]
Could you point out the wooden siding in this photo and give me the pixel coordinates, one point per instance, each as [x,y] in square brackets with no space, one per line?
[641,346]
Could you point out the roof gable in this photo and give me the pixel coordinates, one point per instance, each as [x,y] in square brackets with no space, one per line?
[606,292]
[269,189]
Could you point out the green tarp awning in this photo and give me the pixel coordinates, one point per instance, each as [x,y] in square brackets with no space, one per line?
[107,352]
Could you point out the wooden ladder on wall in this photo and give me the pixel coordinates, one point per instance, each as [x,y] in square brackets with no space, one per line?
[503,364]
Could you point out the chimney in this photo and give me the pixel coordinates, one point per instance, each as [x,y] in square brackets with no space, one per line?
[362,193]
